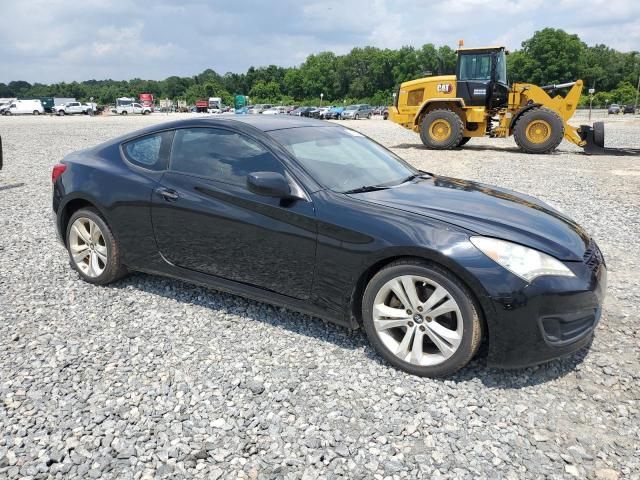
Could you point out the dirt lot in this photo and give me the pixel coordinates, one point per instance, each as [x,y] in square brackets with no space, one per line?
[157,378]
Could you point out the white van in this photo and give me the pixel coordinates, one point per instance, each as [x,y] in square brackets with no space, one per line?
[19,107]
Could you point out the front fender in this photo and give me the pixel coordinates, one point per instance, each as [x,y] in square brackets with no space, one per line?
[458,102]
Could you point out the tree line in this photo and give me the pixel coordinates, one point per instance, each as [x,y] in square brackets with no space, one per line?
[370,75]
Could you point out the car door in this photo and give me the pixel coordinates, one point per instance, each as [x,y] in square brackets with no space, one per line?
[205,218]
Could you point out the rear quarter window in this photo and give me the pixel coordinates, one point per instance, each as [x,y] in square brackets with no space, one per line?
[150,152]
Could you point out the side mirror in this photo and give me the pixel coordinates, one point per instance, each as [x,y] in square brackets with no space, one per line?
[270,184]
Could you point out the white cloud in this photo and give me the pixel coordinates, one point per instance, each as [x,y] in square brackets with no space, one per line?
[54,40]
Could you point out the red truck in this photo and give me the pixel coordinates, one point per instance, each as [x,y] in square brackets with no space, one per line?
[146,99]
[202,106]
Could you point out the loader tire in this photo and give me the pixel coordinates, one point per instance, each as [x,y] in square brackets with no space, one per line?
[598,133]
[464,141]
[539,130]
[441,130]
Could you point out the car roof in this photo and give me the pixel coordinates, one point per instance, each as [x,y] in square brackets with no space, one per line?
[265,123]
[275,122]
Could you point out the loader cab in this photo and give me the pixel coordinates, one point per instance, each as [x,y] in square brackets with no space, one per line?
[481,75]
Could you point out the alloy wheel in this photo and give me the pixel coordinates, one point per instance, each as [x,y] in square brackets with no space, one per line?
[417,320]
[88,247]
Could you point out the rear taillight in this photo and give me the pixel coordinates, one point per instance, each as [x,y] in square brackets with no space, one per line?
[58,169]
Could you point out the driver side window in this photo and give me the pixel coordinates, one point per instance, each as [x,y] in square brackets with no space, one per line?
[220,155]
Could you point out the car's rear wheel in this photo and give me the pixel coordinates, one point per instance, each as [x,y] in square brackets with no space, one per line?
[421,318]
[357,117]
[93,249]
[36,112]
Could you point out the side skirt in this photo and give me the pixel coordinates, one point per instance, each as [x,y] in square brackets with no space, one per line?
[249,291]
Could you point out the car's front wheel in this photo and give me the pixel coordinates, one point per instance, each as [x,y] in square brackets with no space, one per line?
[421,318]
[93,249]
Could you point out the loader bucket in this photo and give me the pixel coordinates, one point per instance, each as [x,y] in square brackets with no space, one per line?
[594,138]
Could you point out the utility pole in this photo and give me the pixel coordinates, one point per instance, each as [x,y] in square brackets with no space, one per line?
[637,91]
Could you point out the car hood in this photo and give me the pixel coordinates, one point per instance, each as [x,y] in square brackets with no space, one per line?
[490,211]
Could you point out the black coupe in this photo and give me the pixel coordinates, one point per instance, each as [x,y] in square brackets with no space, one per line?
[321,219]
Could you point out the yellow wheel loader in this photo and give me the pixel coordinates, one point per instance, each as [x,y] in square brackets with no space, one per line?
[447,111]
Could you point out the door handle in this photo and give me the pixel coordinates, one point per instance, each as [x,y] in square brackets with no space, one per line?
[168,194]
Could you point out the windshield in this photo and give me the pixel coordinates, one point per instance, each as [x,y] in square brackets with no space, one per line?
[343,160]
[352,107]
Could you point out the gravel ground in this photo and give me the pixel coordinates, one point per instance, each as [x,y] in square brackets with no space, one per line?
[155,378]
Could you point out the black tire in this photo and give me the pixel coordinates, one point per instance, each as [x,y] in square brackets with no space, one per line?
[357,117]
[545,115]
[369,117]
[455,125]
[36,112]
[124,112]
[113,269]
[61,113]
[472,325]
[598,133]
[464,141]
[385,115]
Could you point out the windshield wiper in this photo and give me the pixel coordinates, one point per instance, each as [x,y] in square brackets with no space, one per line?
[413,176]
[366,188]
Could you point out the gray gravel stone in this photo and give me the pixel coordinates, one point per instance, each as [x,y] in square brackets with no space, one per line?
[156,378]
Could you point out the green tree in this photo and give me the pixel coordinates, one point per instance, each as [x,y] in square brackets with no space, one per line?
[265,91]
[550,56]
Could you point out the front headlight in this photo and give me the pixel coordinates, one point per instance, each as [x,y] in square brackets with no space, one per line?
[524,262]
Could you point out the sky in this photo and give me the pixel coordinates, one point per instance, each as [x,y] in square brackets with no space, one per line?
[64,40]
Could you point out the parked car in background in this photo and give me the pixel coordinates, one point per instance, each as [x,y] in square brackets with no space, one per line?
[275,111]
[614,109]
[629,109]
[24,107]
[334,113]
[259,108]
[242,111]
[134,108]
[356,112]
[378,110]
[309,215]
[298,111]
[315,112]
[73,108]
[324,112]
[308,111]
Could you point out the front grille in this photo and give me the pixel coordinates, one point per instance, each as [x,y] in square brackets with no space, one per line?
[593,257]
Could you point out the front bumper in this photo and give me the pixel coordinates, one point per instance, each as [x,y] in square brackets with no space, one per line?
[532,323]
